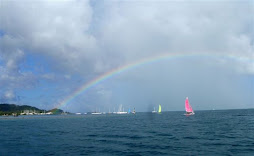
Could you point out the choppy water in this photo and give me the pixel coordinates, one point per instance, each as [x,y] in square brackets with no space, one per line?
[229,132]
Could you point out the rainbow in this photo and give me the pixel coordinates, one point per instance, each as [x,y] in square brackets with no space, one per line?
[145,61]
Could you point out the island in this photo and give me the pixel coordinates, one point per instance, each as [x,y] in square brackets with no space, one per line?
[15,110]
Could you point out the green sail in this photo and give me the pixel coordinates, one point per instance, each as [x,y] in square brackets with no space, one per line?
[159,109]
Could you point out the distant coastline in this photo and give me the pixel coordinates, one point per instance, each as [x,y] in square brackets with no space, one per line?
[16,110]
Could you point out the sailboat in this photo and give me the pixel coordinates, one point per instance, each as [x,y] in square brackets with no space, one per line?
[159,111]
[114,111]
[188,108]
[96,113]
[121,110]
[129,111]
[154,111]
[134,112]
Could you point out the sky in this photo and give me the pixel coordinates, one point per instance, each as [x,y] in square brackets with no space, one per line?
[50,49]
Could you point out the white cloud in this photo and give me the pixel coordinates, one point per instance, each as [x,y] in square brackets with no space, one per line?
[9,95]
[49,76]
[76,35]
[143,28]
[57,30]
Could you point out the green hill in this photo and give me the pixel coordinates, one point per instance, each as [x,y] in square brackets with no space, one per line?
[9,109]
[56,111]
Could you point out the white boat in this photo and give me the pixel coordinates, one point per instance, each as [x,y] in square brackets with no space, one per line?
[96,113]
[188,108]
[114,111]
[134,112]
[154,111]
[121,110]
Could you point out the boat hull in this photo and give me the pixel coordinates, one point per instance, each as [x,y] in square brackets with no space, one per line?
[191,113]
[121,112]
[96,113]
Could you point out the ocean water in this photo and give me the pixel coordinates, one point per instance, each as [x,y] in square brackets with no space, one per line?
[224,132]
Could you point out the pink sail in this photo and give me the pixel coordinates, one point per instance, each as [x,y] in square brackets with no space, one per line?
[188,106]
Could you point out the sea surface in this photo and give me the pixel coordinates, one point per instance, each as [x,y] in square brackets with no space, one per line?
[222,132]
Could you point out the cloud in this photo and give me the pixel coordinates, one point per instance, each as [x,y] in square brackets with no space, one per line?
[55,29]
[74,41]
[9,95]
[77,35]
[142,29]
